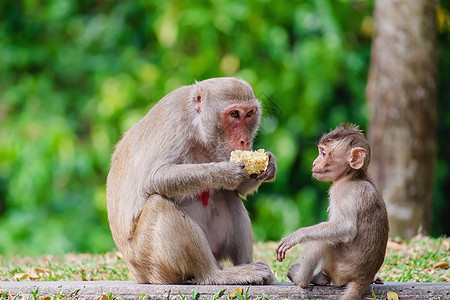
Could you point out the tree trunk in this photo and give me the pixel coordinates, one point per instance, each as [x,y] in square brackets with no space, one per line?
[402,98]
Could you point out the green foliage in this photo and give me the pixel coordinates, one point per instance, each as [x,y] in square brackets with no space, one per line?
[74,75]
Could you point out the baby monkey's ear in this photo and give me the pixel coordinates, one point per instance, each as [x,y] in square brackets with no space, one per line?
[357,157]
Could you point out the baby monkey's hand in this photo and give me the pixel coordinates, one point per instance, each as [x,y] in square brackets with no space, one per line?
[284,245]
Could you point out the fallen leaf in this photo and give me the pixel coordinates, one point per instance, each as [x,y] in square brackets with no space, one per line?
[397,246]
[32,274]
[441,265]
[20,276]
[391,296]
[103,297]
[41,270]
[233,294]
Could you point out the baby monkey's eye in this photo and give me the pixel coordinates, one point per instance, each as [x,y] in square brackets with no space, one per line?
[322,152]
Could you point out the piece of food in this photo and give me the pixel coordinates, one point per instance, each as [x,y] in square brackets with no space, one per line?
[255,161]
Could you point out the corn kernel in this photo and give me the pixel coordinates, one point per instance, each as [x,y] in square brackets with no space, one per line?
[255,161]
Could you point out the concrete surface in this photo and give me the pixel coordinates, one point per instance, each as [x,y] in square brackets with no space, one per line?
[278,290]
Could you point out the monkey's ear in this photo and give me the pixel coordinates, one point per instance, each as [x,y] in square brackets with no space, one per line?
[357,157]
[197,98]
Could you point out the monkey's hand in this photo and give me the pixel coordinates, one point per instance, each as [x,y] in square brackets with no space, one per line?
[233,174]
[270,172]
[286,244]
[251,185]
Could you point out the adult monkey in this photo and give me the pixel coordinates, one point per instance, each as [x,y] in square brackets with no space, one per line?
[176,155]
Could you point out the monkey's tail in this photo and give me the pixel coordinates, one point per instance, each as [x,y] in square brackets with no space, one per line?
[354,290]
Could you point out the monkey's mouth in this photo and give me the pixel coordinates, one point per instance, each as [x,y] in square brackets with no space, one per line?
[317,173]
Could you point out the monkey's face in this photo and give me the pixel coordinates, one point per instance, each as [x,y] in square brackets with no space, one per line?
[239,123]
[332,162]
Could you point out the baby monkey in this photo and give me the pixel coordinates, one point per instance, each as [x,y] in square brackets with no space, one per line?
[349,248]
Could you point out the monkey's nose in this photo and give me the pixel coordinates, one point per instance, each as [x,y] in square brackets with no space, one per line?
[243,145]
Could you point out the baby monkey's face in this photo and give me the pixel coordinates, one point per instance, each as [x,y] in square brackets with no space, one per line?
[332,162]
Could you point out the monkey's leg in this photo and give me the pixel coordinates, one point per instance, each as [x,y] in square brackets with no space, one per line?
[302,274]
[170,248]
[167,246]
[348,272]
[355,289]
[239,246]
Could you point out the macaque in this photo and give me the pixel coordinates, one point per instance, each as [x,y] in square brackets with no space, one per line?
[349,248]
[173,196]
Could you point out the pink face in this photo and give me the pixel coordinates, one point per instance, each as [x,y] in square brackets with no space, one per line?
[238,121]
[331,163]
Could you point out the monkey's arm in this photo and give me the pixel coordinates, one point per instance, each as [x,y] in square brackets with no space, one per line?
[342,230]
[252,184]
[177,180]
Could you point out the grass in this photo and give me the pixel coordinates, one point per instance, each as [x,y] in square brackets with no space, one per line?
[421,259]
[75,267]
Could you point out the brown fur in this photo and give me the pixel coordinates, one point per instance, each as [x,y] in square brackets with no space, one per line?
[179,149]
[349,247]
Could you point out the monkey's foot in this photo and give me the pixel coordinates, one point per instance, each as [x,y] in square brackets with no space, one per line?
[377,280]
[261,274]
[292,272]
[321,279]
[295,276]
[254,273]
[268,276]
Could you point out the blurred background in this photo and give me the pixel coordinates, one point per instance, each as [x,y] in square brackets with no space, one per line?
[76,74]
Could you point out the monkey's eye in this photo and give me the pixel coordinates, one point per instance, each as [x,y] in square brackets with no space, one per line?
[322,152]
[249,114]
[234,114]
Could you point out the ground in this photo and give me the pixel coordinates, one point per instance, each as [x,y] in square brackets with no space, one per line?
[422,259]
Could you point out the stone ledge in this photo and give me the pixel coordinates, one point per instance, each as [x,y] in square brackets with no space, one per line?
[277,290]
